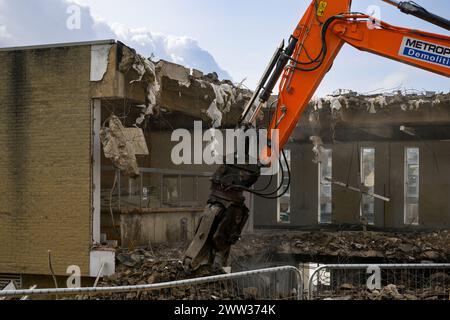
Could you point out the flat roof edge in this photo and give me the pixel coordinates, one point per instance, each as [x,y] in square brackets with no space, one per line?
[59,45]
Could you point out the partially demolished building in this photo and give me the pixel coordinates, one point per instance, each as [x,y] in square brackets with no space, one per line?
[85,139]
[65,109]
[379,160]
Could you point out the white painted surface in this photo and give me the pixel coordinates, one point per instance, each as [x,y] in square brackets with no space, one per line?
[99,61]
[96,170]
[97,258]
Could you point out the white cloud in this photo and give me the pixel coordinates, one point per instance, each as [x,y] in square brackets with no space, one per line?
[179,49]
[4,33]
[45,21]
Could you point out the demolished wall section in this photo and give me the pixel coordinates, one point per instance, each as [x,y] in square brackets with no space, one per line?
[172,88]
[353,108]
[356,117]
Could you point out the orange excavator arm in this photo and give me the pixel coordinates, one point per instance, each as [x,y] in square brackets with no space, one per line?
[324,29]
[300,67]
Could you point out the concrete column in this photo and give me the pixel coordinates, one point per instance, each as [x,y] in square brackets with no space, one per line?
[434,201]
[305,187]
[265,210]
[346,203]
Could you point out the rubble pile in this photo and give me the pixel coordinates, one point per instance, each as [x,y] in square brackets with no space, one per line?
[346,247]
[389,292]
[160,265]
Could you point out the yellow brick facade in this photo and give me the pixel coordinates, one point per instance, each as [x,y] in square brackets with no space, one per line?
[45,159]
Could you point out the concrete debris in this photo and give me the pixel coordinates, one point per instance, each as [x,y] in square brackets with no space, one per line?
[177,89]
[162,263]
[205,98]
[175,72]
[121,145]
[335,102]
[318,149]
[225,96]
[145,71]
[317,103]
[215,115]
[314,122]
[196,74]
[352,247]
[347,286]
[373,103]
[378,100]
[346,298]
[376,117]
[128,260]
[213,77]
[400,292]
[158,265]
[171,88]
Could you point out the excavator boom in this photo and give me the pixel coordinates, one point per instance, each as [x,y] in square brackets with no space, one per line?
[300,68]
[303,75]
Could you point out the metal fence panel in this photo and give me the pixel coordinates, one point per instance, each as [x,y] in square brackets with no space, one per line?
[283,283]
[328,282]
[380,282]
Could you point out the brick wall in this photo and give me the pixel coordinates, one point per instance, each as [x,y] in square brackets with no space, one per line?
[45,146]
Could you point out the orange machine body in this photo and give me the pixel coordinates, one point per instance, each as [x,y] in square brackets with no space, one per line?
[305,72]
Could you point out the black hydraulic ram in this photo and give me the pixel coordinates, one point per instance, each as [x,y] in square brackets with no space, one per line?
[412,8]
[279,69]
[274,70]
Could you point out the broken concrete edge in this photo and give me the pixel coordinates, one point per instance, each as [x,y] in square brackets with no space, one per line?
[215,98]
[167,86]
[378,102]
[170,87]
[121,145]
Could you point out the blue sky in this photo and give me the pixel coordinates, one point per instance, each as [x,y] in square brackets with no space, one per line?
[238,36]
[242,34]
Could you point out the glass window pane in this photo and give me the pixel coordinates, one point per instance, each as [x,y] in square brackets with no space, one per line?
[325,185]
[170,191]
[368,181]
[412,186]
